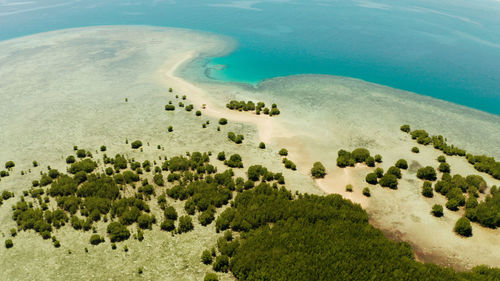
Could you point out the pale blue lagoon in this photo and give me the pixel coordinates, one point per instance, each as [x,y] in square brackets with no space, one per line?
[445,49]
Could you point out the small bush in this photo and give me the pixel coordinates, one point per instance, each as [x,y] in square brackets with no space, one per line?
[283,152]
[378,158]
[136,144]
[405,128]
[427,173]
[96,239]
[441,159]
[463,227]
[168,225]
[437,210]
[402,164]
[415,149]
[348,188]
[9,244]
[221,263]
[262,145]
[444,168]
[427,190]
[198,113]
[389,180]
[185,224]
[169,107]
[9,165]
[371,178]
[223,121]
[318,170]
[206,257]
[366,192]
[103,148]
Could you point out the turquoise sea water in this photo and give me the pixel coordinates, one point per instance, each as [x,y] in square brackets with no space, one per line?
[448,49]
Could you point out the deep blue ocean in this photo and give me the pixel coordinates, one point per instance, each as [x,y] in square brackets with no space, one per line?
[448,49]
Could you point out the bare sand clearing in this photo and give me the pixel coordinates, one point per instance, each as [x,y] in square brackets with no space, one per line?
[49,105]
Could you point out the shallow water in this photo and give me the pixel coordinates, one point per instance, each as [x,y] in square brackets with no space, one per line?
[444,49]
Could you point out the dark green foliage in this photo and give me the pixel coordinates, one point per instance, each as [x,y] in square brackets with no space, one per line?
[262,145]
[185,224]
[207,216]
[437,210]
[463,227]
[427,190]
[421,136]
[289,164]
[366,192]
[198,113]
[379,172]
[452,204]
[6,195]
[170,213]
[223,121]
[85,165]
[371,178]
[441,159]
[359,155]
[168,225]
[234,161]
[250,106]
[169,107]
[405,128]
[487,212]
[395,171]
[117,232]
[9,164]
[415,149]
[145,221]
[158,179]
[4,174]
[206,257]
[221,263]
[235,138]
[103,148]
[348,188]
[316,238]
[96,239]
[378,158]
[389,180]
[136,144]
[221,156]
[211,277]
[81,153]
[9,244]
[70,159]
[370,161]
[444,167]
[427,173]
[318,170]
[283,152]
[402,164]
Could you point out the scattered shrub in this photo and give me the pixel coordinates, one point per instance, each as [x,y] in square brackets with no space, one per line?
[371,178]
[185,224]
[9,244]
[427,173]
[463,227]
[283,152]
[318,170]
[437,210]
[415,149]
[96,239]
[223,121]
[366,192]
[402,164]
[136,144]
[211,277]
[389,180]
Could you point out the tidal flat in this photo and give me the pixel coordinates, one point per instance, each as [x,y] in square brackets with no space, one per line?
[106,85]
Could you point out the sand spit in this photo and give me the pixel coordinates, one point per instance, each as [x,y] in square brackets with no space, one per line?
[322,114]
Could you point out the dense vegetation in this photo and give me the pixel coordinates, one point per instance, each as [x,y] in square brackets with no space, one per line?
[358,155]
[481,163]
[308,237]
[251,106]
